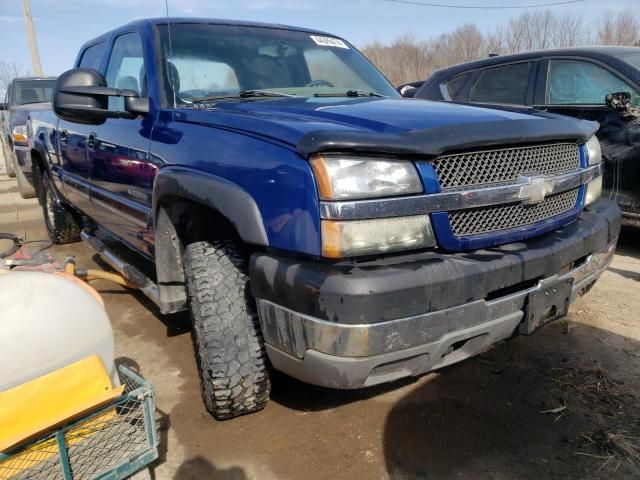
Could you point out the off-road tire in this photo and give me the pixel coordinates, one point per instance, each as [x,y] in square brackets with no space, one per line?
[8,160]
[63,225]
[226,333]
[25,187]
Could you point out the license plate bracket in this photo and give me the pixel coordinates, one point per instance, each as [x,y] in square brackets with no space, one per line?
[547,303]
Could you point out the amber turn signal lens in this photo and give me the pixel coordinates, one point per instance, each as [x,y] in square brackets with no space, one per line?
[322,177]
[342,239]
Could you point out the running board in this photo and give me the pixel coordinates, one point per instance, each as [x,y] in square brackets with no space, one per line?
[128,271]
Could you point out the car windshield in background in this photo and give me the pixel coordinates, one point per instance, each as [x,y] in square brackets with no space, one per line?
[32,91]
[205,62]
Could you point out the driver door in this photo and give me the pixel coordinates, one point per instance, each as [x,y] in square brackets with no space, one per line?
[121,173]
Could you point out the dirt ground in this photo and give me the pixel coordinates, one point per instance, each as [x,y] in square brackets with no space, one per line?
[560,404]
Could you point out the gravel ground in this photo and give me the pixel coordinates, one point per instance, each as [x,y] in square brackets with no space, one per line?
[560,404]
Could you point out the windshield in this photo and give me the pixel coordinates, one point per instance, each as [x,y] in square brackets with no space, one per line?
[632,58]
[32,91]
[201,60]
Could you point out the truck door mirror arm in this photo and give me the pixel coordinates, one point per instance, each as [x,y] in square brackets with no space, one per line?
[81,95]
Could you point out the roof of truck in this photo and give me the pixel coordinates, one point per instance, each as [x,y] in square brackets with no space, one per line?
[210,21]
[20,79]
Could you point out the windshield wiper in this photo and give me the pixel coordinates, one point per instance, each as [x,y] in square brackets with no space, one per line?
[242,94]
[350,93]
[263,93]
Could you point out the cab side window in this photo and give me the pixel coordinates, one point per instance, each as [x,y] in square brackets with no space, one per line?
[503,85]
[576,82]
[92,56]
[126,65]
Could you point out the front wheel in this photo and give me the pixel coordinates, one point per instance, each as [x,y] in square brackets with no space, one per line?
[63,225]
[25,187]
[226,332]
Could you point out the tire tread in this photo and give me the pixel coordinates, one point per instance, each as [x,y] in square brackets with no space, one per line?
[226,331]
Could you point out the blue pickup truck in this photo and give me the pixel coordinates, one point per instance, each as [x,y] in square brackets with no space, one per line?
[24,94]
[272,181]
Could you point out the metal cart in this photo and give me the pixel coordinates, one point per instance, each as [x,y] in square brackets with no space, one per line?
[112,443]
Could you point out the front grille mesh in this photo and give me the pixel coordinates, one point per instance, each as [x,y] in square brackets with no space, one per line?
[503,165]
[503,217]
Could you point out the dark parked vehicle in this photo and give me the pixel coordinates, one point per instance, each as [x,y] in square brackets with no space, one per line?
[570,81]
[23,95]
[272,181]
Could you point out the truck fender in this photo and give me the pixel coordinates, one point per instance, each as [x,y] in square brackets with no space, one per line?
[211,191]
[227,198]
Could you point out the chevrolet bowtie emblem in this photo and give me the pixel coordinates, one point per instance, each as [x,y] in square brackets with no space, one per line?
[534,191]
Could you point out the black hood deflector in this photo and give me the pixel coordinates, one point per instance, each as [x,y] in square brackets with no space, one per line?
[435,141]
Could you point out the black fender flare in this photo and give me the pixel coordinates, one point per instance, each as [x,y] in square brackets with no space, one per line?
[227,198]
[36,145]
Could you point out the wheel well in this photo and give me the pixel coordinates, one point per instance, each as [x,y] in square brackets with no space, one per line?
[178,223]
[36,160]
[37,163]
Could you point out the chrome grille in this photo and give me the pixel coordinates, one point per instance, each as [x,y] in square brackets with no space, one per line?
[503,165]
[503,217]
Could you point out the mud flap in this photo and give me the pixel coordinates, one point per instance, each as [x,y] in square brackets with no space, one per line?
[548,303]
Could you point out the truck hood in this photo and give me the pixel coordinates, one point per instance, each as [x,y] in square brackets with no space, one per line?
[19,113]
[384,124]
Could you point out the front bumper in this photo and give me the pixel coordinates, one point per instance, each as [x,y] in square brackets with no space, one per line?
[23,158]
[359,324]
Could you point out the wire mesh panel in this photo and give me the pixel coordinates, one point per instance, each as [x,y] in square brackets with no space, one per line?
[113,442]
[503,217]
[503,165]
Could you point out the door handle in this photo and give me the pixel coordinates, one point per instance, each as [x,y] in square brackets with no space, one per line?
[64,138]
[92,141]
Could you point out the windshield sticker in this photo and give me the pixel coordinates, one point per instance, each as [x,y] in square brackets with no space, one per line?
[329,42]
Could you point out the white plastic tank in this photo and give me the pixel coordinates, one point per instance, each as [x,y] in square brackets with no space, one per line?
[48,321]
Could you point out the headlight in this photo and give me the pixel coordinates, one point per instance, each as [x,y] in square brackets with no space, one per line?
[343,177]
[20,134]
[381,235]
[594,191]
[594,154]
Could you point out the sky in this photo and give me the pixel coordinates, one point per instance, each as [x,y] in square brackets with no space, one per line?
[62,26]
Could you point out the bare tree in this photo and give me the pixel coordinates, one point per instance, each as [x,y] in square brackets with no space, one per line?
[622,28]
[496,41]
[403,60]
[9,71]
[569,32]
[465,43]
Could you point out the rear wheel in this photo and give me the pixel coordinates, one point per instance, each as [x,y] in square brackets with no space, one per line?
[226,333]
[63,225]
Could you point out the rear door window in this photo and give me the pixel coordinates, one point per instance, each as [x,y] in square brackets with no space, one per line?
[577,82]
[503,85]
